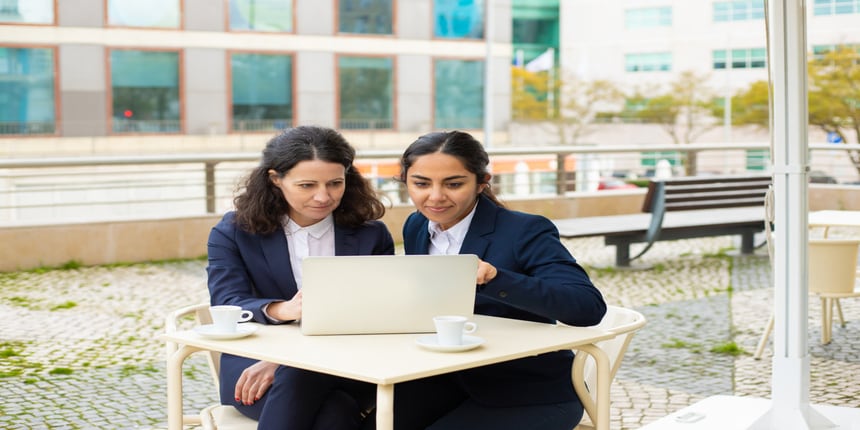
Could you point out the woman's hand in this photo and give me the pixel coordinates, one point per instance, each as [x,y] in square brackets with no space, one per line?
[486,272]
[286,311]
[254,382]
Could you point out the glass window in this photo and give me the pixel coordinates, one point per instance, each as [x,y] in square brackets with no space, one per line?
[150,13]
[757,159]
[27,91]
[462,19]
[755,58]
[27,11]
[261,15]
[648,62]
[739,10]
[836,7]
[648,17]
[145,91]
[650,158]
[365,16]
[719,59]
[262,91]
[459,98]
[366,92]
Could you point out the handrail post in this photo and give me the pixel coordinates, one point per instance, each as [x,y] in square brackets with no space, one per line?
[210,187]
[560,174]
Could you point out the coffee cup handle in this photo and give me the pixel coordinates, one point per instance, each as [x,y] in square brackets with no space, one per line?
[246,316]
[469,327]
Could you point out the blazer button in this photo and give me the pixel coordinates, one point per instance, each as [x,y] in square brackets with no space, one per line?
[503,294]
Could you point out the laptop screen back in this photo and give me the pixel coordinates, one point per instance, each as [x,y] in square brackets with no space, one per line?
[372,294]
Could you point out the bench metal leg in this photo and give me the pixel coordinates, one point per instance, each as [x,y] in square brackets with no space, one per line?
[622,255]
[747,243]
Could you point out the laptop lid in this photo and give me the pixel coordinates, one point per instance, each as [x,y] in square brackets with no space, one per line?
[370,294]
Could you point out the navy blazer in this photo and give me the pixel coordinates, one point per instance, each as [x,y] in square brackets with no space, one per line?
[251,270]
[537,280]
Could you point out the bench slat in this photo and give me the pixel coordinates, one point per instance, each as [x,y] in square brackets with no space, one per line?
[682,208]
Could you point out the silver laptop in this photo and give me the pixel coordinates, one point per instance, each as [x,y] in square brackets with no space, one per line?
[372,294]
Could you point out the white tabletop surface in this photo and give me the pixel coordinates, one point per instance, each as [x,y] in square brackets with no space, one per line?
[834,218]
[746,413]
[393,358]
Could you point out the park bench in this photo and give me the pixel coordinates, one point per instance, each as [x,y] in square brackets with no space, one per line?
[681,208]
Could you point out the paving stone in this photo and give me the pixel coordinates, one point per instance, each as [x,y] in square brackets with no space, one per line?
[696,295]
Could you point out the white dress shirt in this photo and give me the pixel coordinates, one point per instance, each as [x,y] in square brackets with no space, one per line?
[448,242]
[316,239]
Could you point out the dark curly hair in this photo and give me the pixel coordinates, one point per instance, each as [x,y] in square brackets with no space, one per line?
[261,206]
[457,144]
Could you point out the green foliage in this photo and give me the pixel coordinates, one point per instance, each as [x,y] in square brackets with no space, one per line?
[64,305]
[60,371]
[729,348]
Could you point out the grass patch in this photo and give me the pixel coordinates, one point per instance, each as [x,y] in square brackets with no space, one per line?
[60,371]
[681,344]
[8,352]
[729,348]
[65,305]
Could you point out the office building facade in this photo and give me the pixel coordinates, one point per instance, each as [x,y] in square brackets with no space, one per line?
[112,75]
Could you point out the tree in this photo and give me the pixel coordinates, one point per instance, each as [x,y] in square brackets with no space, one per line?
[684,112]
[750,106]
[834,98]
[580,104]
[834,95]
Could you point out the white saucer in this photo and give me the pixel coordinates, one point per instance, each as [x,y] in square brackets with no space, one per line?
[209,331]
[430,342]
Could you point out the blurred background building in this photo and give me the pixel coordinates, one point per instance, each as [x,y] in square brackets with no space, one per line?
[99,76]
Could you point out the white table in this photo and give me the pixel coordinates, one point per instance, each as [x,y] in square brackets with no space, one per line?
[388,359]
[744,413]
[833,218]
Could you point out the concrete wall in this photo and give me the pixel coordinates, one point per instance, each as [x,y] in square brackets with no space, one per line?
[28,247]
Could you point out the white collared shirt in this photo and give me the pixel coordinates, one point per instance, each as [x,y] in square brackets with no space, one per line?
[316,239]
[449,242]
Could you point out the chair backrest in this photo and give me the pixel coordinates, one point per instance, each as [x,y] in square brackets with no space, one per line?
[199,313]
[832,265]
[623,322]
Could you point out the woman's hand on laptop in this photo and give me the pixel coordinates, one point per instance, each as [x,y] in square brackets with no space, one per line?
[486,272]
[288,310]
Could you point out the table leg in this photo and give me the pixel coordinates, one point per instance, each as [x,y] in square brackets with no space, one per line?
[385,407]
[174,386]
[604,384]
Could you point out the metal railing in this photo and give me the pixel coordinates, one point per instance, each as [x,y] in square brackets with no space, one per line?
[79,189]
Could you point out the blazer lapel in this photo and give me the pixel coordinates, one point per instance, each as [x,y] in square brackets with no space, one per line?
[277,255]
[483,224]
[345,241]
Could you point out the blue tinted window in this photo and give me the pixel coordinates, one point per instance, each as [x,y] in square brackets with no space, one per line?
[365,16]
[738,10]
[149,13]
[459,98]
[648,17]
[27,91]
[145,91]
[262,91]
[462,19]
[836,7]
[366,92]
[27,11]
[261,15]
[648,62]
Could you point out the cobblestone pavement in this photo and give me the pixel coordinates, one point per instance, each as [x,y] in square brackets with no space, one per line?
[78,347]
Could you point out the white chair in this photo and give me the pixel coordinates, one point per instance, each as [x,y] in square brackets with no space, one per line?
[624,323]
[833,275]
[217,416]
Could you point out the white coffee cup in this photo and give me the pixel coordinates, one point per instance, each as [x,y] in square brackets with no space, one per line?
[450,329]
[226,318]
